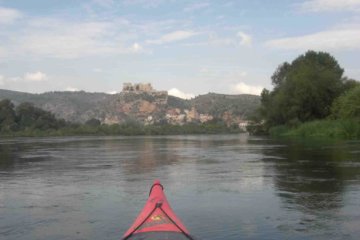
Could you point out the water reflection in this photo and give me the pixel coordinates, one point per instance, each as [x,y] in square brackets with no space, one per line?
[149,155]
[7,157]
[310,176]
[12,158]
[312,180]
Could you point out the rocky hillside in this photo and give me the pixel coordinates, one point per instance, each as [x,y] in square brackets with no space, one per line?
[147,107]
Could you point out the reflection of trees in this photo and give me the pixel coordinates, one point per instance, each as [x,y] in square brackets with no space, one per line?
[6,157]
[11,156]
[309,175]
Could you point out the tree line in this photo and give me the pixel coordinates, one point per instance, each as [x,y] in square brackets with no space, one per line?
[26,116]
[310,88]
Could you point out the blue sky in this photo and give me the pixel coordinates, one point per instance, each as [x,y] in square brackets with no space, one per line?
[185,47]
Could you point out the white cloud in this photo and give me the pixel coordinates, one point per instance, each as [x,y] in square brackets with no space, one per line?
[196,6]
[136,48]
[9,15]
[245,39]
[204,70]
[112,92]
[330,5]
[214,40]
[27,78]
[71,89]
[243,88]
[324,40]
[173,37]
[14,79]
[97,70]
[35,77]
[177,93]
[61,39]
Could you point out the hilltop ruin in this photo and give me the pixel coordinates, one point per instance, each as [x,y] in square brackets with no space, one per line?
[138,87]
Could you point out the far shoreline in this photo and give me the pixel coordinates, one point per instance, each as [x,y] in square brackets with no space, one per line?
[129,130]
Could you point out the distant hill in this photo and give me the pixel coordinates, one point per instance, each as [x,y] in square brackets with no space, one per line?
[147,107]
[216,104]
[72,106]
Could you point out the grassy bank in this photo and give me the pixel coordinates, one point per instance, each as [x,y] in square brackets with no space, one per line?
[342,129]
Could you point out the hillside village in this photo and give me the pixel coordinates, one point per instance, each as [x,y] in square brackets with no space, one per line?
[172,115]
[148,105]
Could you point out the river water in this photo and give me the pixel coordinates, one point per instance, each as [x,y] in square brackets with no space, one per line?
[221,186]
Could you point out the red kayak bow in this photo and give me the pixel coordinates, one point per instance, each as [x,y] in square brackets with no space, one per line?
[157,220]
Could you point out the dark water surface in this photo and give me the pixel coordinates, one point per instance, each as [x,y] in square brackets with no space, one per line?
[222,187]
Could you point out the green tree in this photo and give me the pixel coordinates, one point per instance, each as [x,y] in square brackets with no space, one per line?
[279,76]
[347,105]
[349,84]
[304,89]
[32,117]
[7,116]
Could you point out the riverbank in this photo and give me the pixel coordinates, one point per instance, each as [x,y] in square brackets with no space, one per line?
[126,130]
[342,129]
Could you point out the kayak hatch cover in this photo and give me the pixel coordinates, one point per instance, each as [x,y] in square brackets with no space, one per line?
[157,220]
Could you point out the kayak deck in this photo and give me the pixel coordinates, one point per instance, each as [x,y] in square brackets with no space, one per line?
[157,220]
[158,235]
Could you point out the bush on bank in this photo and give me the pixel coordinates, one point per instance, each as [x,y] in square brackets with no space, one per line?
[341,128]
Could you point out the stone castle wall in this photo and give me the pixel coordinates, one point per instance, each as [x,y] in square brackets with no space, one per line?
[137,87]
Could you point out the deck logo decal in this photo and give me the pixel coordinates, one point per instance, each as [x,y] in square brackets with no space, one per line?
[156,217]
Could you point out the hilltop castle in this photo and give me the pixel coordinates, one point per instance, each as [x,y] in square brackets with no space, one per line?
[138,87]
[161,97]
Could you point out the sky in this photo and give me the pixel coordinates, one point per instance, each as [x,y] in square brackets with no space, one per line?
[185,47]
